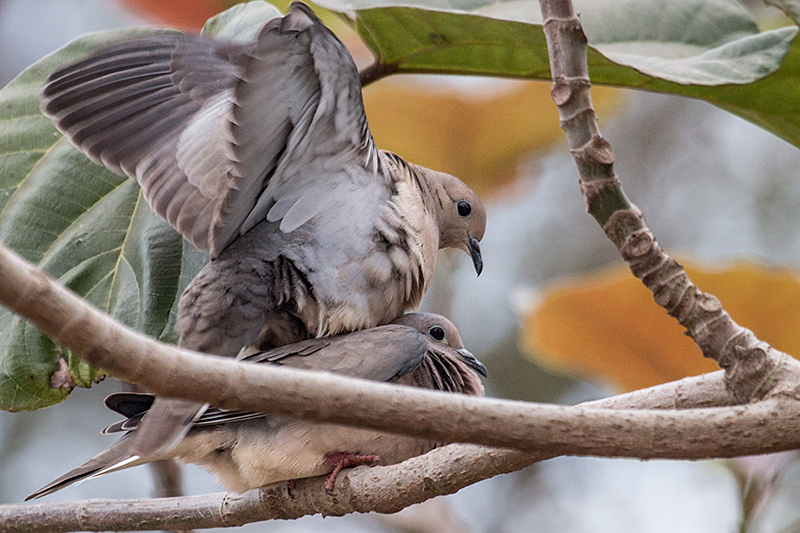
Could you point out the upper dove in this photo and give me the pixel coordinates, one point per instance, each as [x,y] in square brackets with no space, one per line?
[260,152]
[248,450]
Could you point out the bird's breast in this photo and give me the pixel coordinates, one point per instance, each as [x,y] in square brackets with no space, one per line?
[273,449]
[375,262]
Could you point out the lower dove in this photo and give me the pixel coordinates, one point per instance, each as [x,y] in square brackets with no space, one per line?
[248,450]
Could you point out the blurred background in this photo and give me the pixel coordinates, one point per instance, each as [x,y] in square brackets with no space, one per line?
[556,317]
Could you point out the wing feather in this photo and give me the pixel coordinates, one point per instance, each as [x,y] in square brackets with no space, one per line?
[220,133]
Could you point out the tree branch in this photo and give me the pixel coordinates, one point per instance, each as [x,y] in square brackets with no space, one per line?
[375,71]
[381,489]
[752,367]
[548,430]
[169,371]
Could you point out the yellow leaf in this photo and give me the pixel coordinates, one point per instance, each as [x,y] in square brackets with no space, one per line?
[609,326]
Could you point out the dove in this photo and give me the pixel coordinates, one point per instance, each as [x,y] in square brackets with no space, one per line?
[248,450]
[261,153]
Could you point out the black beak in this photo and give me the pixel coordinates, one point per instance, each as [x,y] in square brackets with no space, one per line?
[472,362]
[475,252]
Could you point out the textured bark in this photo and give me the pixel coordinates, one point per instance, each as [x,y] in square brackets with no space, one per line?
[375,71]
[753,369]
[547,430]
[169,371]
[382,489]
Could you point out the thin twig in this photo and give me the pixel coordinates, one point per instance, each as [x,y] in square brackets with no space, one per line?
[374,72]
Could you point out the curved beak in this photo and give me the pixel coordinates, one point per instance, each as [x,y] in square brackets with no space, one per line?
[475,253]
[472,362]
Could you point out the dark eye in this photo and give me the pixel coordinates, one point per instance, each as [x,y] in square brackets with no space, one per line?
[436,332]
[464,208]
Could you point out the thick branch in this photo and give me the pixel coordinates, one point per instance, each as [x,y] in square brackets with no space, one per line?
[751,366]
[381,489]
[551,430]
[168,371]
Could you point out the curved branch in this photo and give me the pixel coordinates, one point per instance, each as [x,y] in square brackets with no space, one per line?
[169,371]
[381,489]
[752,366]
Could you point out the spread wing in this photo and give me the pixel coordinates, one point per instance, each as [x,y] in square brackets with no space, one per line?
[220,135]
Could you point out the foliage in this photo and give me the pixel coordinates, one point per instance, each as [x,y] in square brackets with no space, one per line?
[606,326]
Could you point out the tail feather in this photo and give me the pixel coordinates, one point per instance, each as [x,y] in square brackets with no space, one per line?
[129,403]
[115,457]
[166,423]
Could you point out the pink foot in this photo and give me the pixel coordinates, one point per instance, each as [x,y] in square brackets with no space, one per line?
[341,460]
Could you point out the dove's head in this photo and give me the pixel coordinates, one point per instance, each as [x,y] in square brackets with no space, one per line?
[461,216]
[459,213]
[440,331]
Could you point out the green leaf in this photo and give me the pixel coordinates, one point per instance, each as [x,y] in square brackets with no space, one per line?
[242,22]
[705,42]
[85,226]
[706,49]
[414,40]
[713,42]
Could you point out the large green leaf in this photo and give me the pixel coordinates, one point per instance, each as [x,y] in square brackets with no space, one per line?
[706,49]
[86,226]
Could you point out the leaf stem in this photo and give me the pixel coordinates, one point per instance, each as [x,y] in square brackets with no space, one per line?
[375,71]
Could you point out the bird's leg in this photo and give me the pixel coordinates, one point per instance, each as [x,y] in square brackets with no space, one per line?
[341,460]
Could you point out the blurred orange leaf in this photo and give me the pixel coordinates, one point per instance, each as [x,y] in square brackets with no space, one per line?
[478,131]
[608,325]
[185,14]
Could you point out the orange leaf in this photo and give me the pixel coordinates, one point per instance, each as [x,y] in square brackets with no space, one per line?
[479,134]
[186,14]
[608,325]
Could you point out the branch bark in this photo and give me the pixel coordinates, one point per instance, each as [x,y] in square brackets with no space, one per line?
[753,369]
[169,371]
[659,431]
[381,489]
[374,72]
